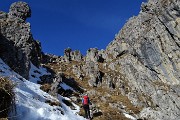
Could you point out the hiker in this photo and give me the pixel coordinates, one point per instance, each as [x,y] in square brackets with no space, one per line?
[85,103]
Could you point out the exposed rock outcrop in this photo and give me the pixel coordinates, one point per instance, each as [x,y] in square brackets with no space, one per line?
[70,55]
[20,10]
[147,51]
[93,54]
[17,44]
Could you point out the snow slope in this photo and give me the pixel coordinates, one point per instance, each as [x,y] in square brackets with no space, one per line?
[30,99]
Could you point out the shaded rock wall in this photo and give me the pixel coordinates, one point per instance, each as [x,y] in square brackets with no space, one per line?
[16,39]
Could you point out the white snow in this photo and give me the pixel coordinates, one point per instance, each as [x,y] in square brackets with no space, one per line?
[30,99]
[66,87]
[35,73]
[129,116]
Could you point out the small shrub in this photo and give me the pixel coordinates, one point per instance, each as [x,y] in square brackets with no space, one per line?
[46,87]
[6,97]
[53,103]
[69,103]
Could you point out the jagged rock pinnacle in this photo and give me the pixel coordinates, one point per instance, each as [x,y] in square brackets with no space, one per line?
[20,10]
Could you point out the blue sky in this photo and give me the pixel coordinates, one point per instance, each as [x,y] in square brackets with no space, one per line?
[78,24]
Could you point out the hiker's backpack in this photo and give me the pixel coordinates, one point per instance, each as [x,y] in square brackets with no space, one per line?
[85,100]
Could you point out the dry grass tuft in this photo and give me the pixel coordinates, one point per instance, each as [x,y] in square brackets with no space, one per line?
[6,97]
[46,87]
[53,103]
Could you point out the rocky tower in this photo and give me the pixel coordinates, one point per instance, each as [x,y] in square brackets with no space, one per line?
[147,52]
[17,47]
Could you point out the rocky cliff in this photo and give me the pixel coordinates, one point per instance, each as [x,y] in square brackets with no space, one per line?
[147,52]
[18,48]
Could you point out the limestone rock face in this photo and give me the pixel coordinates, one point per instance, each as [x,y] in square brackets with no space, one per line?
[77,70]
[70,55]
[93,54]
[20,10]
[18,46]
[147,52]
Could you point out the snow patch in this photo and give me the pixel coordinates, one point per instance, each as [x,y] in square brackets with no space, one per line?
[66,87]
[30,99]
[129,116]
[35,73]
